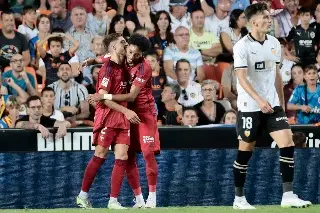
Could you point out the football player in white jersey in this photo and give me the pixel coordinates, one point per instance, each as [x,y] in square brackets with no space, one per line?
[260,104]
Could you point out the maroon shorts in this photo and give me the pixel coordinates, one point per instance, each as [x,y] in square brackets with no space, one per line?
[145,136]
[109,136]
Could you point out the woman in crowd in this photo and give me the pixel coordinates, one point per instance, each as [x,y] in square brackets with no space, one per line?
[296,80]
[237,29]
[209,110]
[99,19]
[44,26]
[229,117]
[12,106]
[117,25]
[163,36]
[140,16]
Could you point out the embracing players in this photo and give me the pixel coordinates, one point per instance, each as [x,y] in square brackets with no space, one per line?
[260,104]
[111,126]
[144,136]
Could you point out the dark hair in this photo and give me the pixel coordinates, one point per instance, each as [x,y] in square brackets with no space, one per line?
[140,41]
[299,139]
[95,66]
[139,28]
[196,10]
[255,9]
[47,89]
[94,10]
[169,35]
[182,61]
[151,52]
[135,7]
[57,30]
[223,120]
[39,19]
[293,66]
[310,67]
[64,63]
[110,38]
[304,10]
[56,39]
[7,12]
[175,89]
[33,98]
[27,9]
[184,109]
[113,22]
[234,17]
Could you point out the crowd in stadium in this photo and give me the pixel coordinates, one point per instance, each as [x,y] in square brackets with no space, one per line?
[44,42]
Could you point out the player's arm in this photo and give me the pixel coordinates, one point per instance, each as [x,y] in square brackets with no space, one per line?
[134,91]
[279,87]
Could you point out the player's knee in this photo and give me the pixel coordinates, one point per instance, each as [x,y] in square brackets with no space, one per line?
[101,152]
[121,152]
[245,146]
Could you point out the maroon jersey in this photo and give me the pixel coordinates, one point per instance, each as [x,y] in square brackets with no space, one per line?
[111,78]
[141,76]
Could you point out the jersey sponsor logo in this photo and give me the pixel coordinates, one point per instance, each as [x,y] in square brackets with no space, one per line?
[123,84]
[140,80]
[306,43]
[260,65]
[105,82]
[282,118]
[148,139]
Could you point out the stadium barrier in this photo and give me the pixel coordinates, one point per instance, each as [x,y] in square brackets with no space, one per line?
[52,179]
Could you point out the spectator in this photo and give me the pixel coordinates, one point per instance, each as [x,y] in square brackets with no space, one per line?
[219,21]
[285,64]
[305,38]
[288,17]
[17,81]
[94,72]
[318,62]
[236,30]
[179,15]
[12,107]
[206,6]
[35,120]
[163,36]
[229,83]
[47,98]
[44,26]
[299,139]
[159,5]
[70,96]
[206,42]
[140,16]
[158,76]
[3,100]
[209,110]
[142,31]
[11,42]
[28,29]
[169,110]
[99,19]
[229,117]
[60,17]
[53,60]
[190,117]
[190,90]
[237,4]
[80,32]
[117,25]
[296,80]
[317,16]
[304,98]
[182,50]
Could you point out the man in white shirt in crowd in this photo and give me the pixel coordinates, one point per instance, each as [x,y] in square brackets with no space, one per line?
[179,15]
[219,21]
[182,50]
[158,5]
[190,90]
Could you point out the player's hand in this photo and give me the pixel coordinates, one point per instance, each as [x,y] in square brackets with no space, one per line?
[265,106]
[44,131]
[62,131]
[95,97]
[305,108]
[132,117]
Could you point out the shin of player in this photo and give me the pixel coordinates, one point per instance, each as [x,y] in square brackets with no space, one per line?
[111,125]
[260,104]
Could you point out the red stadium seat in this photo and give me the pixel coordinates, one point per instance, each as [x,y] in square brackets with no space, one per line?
[87,4]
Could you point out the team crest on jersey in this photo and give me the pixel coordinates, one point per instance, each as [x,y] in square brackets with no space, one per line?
[247,133]
[193,95]
[105,82]
[312,34]
[273,51]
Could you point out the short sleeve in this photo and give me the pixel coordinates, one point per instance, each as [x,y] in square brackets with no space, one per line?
[32,48]
[295,96]
[104,78]
[4,76]
[22,29]
[82,92]
[278,51]
[240,56]
[167,55]
[143,74]
[24,42]
[199,59]
[32,80]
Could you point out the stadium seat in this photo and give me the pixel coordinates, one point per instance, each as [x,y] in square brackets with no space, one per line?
[83,3]
[215,71]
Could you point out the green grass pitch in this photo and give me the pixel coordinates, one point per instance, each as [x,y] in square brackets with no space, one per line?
[221,209]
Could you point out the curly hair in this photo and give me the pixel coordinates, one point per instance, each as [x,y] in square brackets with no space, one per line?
[140,41]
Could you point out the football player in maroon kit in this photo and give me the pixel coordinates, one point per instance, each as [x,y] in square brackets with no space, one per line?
[144,136]
[111,123]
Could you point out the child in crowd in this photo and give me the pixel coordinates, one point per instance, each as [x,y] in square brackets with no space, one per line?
[28,27]
[229,117]
[12,107]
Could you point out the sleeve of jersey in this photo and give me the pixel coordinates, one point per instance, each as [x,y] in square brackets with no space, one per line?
[295,96]
[240,56]
[104,79]
[278,52]
[105,58]
[143,74]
